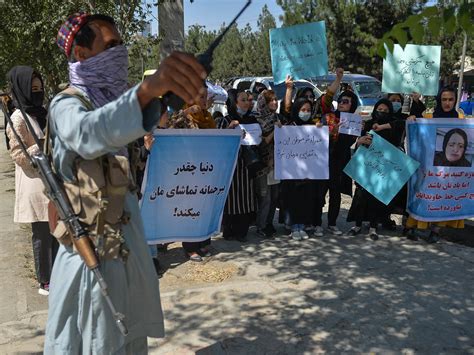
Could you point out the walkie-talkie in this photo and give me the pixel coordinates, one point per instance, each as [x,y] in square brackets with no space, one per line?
[174,101]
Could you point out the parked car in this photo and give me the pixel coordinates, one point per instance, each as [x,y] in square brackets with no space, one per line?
[367,88]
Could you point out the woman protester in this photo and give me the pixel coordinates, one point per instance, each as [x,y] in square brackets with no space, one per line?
[339,155]
[299,195]
[445,108]
[195,117]
[267,188]
[31,204]
[366,207]
[240,205]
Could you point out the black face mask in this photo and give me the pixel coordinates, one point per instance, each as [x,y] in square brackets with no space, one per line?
[37,98]
[382,116]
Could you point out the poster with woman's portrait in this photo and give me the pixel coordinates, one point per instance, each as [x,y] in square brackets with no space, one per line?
[442,189]
[454,147]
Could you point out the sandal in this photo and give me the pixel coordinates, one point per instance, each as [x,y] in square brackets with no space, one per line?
[193,256]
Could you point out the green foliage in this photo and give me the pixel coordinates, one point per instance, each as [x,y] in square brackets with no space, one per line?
[353,28]
[445,20]
[443,25]
[242,52]
[28,29]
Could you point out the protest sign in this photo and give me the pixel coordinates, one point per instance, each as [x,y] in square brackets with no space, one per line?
[301,152]
[350,123]
[216,93]
[186,183]
[413,69]
[443,187]
[253,134]
[382,169]
[300,51]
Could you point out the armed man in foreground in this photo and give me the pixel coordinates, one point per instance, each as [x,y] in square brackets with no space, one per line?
[90,125]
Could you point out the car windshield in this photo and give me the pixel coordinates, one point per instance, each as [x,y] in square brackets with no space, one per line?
[368,88]
[280,89]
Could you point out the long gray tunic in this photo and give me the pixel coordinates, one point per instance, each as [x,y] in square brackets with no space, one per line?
[79,321]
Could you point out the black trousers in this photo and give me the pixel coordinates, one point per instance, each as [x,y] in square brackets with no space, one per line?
[334,203]
[236,225]
[193,247]
[45,248]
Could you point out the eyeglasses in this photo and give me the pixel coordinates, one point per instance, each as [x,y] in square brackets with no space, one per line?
[344,101]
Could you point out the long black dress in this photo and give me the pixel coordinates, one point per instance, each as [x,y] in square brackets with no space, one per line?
[365,207]
[240,204]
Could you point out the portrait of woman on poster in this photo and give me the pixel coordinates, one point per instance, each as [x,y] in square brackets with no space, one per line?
[454,149]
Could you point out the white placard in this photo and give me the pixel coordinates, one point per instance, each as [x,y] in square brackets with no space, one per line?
[301,152]
[350,124]
[253,134]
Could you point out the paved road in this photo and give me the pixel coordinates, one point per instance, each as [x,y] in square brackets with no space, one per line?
[333,294]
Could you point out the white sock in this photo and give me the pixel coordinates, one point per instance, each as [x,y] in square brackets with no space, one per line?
[372,231]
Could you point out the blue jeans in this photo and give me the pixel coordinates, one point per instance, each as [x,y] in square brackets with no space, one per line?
[297,227]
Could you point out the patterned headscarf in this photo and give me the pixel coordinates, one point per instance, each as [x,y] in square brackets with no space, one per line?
[103,77]
[68,31]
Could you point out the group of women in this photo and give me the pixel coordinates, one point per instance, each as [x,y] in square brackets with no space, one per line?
[255,195]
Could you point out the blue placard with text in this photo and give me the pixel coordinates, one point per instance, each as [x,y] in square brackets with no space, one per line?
[299,51]
[381,169]
[186,182]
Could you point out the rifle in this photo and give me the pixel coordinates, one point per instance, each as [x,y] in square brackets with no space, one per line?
[55,192]
[174,101]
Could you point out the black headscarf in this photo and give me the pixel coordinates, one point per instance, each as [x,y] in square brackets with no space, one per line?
[439,112]
[231,104]
[383,117]
[20,78]
[295,110]
[440,158]
[354,100]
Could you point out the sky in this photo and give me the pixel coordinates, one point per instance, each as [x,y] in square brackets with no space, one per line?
[213,13]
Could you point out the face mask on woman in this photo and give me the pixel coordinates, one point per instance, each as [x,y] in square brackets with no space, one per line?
[396,106]
[240,111]
[304,116]
[381,115]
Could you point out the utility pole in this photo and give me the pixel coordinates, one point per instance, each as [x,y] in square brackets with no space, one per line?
[170,26]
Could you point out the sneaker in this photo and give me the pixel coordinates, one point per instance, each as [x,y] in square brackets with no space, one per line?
[373,234]
[44,289]
[304,235]
[334,230]
[318,231]
[295,235]
[354,231]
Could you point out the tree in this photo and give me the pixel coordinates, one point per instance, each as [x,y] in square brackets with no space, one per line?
[352,27]
[443,24]
[29,28]
[143,53]
[242,52]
